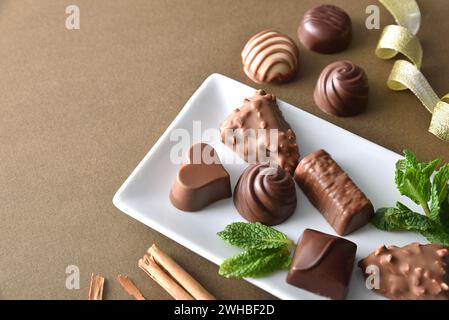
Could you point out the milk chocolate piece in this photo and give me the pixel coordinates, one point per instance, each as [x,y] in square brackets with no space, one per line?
[260,112]
[265,194]
[342,89]
[325,29]
[413,272]
[201,181]
[333,193]
[270,57]
[323,264]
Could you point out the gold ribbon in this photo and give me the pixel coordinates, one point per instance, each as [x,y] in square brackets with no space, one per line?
[405,12]
[402,39]
[396,39]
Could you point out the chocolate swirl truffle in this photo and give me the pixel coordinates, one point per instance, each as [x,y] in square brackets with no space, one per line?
[325,29]
[269,57]
[342,89]
[265,194]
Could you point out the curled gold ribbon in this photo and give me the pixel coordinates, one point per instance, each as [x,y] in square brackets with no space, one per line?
[406,13]
[397,39]
[405,75]
[439,125]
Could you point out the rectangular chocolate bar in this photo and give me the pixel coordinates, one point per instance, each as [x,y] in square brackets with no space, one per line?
[323,264]
[333,193]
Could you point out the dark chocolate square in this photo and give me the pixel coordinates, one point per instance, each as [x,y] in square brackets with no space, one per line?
[323,264]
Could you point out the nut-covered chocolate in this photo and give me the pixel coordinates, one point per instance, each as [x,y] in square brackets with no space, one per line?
[342,89]
[323,264]
[265,194]
[261,112]
[414,272]
[270,56]
[325,29]
[333,193]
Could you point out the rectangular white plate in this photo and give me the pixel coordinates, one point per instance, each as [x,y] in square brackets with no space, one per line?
[144,195]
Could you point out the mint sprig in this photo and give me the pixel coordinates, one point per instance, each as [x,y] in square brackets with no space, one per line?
[439,208]
[401,218]
[266,250]
[255,263]
[254,236]
[414,180]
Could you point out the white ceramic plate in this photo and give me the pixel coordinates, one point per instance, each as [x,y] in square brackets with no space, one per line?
[144,195]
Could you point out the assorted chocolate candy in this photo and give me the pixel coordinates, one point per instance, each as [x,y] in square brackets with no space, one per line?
[325,29]
[241,131]
[333,193]
[201,181]
[265,194]
[413,272]
[270,57]
[323,264]
[342,89]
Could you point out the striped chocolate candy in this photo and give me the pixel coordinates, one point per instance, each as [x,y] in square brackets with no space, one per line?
[270,56]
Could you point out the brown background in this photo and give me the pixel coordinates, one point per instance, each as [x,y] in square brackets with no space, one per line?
[79,109]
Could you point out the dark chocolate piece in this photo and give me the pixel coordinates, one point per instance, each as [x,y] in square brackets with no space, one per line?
[265,194]
[325,29]
[323,264]
[342,89]
[413,272]
[270,57]
[333,193]
[201,181]
[260,112]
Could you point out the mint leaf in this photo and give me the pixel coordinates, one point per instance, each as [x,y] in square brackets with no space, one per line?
[404,218]
[439,209]
[401,218]
[412,179]
[255,263]
[380,220]
[267,250]
[254,236]
[410,162]
[444,214]
[437,235]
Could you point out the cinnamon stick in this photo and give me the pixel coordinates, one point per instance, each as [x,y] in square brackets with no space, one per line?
[192,286]
[130,287]
[96,287]
[151,268]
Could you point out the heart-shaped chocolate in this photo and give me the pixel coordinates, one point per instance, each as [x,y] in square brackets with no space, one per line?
[201,181]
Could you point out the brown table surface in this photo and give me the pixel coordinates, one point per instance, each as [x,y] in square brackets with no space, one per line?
[79,109]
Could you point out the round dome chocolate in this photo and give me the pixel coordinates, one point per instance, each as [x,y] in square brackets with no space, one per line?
[342,89]
[325,29]
[265,194]
[270,57]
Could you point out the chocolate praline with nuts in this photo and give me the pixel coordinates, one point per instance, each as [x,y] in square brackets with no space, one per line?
[241,131]
[413,272]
